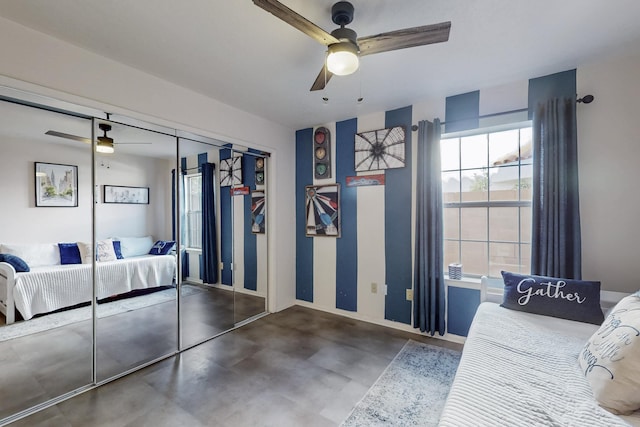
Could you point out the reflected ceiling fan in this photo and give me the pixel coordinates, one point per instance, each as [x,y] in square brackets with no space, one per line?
[344,47]
[105,143]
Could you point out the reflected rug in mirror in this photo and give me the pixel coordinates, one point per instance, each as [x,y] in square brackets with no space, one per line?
[411,391]
[62,318]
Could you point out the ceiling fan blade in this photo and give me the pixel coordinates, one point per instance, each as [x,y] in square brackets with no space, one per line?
[408,37]
[68,136]
[296,20]
[321,80]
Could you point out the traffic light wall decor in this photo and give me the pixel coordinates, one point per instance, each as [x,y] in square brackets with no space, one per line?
[259,170]
[322,153]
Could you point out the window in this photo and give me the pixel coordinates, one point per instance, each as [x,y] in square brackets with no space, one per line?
[486,186]
[193,211]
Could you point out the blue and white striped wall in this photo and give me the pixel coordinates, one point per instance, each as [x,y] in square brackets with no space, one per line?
[378,222]
[376,229]
[238,247]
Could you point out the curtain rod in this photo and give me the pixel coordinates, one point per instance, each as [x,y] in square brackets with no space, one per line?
[587,99]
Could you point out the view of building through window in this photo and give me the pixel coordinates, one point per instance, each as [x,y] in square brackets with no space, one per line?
[193,211]
[486,186]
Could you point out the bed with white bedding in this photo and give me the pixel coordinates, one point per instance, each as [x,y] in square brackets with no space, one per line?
[52,287]
[521,369]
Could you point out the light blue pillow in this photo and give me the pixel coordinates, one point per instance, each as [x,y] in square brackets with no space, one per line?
[16,262]
[69,253]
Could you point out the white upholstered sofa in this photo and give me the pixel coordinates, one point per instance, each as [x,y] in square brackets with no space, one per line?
[50,285]
[521,369]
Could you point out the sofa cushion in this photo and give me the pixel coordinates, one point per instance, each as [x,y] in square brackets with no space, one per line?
[17,263]
[105,251]
[611,358]
[35,255]
[135,246]
[69,253]
[162,247]
[551,296]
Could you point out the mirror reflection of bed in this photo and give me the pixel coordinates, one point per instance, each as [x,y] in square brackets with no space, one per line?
[47,347]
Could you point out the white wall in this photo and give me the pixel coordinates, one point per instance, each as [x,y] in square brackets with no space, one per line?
[23,222]
[39,63]
[609,151]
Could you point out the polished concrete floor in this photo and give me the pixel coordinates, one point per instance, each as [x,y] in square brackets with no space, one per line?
[41,366]
[299,367]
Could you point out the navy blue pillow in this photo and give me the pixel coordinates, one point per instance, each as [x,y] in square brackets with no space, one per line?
[551,296]
[117,249]
[18,263]
[162,247]
[69,253]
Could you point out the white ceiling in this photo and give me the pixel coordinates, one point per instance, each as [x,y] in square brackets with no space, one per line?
[241,55]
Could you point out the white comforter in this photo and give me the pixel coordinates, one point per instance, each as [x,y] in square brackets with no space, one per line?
[50,288]
[521,369]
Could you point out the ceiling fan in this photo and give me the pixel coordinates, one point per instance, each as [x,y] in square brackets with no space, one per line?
[105,144]
[344,47]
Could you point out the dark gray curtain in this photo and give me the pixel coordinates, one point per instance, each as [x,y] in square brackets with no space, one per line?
[209,237]
[429,287]
[555,245]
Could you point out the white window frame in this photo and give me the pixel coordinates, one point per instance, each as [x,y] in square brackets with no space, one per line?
[188,210]
[488,203]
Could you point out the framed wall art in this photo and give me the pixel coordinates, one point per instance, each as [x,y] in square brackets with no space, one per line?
[258,217]
[380,149]
[126,195]
[56,185]
[322,208]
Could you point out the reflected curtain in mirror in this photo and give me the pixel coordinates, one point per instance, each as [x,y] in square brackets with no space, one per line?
[179,207]
[209,236]
[555,245]
[429,286]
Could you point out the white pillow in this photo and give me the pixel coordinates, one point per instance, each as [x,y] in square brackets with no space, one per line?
[34,255]
[105,251]
[611,358]
[86,254]
[135,246]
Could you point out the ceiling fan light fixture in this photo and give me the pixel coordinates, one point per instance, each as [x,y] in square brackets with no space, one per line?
[104,145]
[343,59]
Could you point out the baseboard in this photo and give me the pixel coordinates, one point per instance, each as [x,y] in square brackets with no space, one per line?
[382,322]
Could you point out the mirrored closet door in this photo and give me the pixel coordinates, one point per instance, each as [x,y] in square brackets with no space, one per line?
[46,328]
[135,253]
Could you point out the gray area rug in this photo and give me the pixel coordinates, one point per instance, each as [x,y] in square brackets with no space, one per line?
[63,318]
[411,391]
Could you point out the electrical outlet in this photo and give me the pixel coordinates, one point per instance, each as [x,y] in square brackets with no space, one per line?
[374,288]
[409,294]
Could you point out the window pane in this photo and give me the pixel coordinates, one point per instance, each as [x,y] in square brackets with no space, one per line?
[503,256]
[503,148]
[526,147]
[473,152]
[526,182]
[451,223]
[525,253]
[473,223]
[450,154]
[451,253]
[503,224]
[451,187]
[475,183]
[525,224]
[503,183]
[474,258]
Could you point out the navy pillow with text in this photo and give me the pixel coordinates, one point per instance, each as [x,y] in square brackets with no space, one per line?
[162,247]
[551,296]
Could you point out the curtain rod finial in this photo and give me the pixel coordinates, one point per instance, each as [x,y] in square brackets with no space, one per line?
[414,128]
[587,99]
